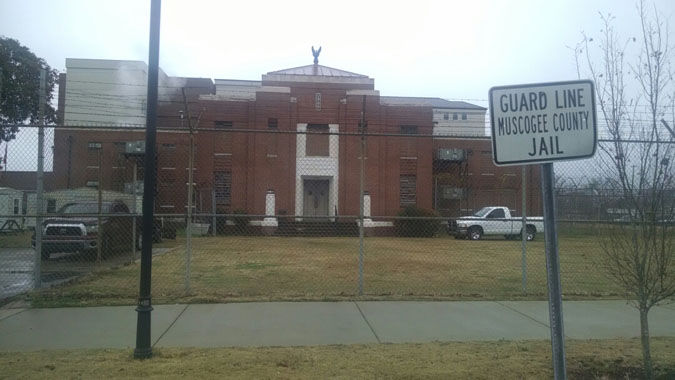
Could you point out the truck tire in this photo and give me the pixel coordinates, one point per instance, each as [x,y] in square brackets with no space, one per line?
[475,233]
[531,233]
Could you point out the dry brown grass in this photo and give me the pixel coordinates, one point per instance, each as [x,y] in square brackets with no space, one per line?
[596,359]
[233,268]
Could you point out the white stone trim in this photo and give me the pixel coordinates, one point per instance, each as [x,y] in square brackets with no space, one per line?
[317,168]
[363,92]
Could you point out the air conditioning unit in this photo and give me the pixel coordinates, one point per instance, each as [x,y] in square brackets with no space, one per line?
[129,187]
[451,154]
[135,147]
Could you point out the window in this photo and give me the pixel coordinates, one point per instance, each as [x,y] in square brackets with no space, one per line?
[497,214]
[463,115]
[272,123]
[92,183]
[94,145]
[51,206]
[222,181]
[120,208]
[220,124]
[446,116]
[408,144]
[317,101]
[16,206]
[408,194]
[317,141]
[454,116]
[119,153]
[408,129]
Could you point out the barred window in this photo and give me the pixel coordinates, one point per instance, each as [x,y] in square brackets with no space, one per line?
[223,184]
[408,129]
[317,101]
[220,124]
[272,123]
[94,145]
[408,193]
[408,144]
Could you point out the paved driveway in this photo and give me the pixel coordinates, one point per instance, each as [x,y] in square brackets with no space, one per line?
[16,268]
[16,271]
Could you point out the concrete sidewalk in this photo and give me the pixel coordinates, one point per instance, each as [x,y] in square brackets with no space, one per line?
[321,323]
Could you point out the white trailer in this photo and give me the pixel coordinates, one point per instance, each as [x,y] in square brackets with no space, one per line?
[11,203]
[54,200]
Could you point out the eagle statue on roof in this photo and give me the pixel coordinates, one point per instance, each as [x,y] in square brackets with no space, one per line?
[316,53]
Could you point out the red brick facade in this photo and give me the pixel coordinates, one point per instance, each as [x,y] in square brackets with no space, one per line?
[265,158]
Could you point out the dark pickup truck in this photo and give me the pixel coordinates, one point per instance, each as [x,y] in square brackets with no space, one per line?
[79,232]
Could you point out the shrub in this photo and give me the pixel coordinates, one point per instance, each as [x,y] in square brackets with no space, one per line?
[417,227]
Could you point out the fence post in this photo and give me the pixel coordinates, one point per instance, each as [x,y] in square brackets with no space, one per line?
[100,206]
[361,205]
[40,180]
[213,210]
[133,219]
[188,229]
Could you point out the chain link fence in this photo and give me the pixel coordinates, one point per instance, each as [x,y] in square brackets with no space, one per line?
[270,214]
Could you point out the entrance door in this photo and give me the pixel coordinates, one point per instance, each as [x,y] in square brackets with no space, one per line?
[316,198]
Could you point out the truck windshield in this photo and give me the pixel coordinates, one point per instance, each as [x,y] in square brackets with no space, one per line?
[481,213]
[83,208]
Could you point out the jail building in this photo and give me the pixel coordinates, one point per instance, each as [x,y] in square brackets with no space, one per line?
[291,143]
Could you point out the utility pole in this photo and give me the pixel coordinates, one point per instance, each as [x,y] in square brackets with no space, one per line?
[40,177]
[143,348]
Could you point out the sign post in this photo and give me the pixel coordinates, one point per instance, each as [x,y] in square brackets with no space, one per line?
[540,124]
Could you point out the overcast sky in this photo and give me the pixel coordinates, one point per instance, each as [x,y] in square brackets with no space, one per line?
[448,49]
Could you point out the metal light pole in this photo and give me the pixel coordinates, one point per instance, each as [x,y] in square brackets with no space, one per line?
[143,347]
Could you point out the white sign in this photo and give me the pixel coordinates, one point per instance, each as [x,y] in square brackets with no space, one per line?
[544,122]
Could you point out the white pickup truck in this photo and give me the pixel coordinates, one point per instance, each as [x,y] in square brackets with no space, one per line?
[494,220]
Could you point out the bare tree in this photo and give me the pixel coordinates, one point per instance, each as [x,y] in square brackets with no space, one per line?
[640,253]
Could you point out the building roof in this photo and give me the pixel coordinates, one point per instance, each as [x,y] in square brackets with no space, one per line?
[317,70]
[428,102]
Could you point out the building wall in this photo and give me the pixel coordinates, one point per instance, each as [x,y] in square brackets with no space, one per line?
[401,153]
[105,92]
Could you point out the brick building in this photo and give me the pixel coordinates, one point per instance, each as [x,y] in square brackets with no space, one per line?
[293,135]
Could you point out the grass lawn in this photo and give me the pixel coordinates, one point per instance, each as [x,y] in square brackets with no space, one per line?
[239,268]
[596,359]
